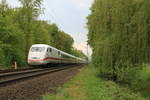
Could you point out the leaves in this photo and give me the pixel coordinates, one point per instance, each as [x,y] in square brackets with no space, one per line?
[119,35]
[20,28]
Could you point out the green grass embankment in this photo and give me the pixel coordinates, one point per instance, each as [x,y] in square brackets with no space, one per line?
[88,86]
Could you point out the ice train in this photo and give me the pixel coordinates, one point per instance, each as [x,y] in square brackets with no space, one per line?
[42,54]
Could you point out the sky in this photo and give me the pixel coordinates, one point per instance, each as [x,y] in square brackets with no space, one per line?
[69,15]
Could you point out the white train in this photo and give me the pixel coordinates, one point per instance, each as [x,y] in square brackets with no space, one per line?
[42,54]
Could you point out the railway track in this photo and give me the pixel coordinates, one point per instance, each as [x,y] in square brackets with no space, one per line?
[20,75]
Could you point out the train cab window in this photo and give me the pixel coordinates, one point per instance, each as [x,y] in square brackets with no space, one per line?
[37,49]
[50,49]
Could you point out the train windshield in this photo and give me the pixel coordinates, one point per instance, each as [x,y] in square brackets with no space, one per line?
[37,49]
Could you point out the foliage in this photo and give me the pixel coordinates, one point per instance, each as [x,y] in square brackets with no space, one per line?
[88,86]
[60,39]
[25,17]
[10,39]
[20,28]
[120,37]
[78,53]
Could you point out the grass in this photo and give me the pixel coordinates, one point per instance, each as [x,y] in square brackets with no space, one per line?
[10,67]
[88,86]
[145,77]
[5,68]
[145,74]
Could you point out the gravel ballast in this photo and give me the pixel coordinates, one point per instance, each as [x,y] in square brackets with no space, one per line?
[33,89]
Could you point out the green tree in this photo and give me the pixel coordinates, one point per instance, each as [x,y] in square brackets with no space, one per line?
[10,38]
[26,15]
[119,35]
[20,28]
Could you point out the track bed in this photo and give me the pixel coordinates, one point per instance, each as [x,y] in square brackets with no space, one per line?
[33,88]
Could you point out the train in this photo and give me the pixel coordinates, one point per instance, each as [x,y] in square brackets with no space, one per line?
[43,54]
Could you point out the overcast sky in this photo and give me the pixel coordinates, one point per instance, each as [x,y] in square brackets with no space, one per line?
[69,15]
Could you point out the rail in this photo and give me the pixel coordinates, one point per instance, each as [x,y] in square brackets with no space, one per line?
[15,76]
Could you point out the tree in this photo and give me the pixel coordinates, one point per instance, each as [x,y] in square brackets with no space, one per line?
[10,38]
[78,53]
[20,28]
[119,35]
[26,15]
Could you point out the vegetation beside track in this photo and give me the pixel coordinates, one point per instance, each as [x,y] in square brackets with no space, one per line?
[119,36]
[13,67]
[18,31]
[4,68]
[87,85]
[9,67]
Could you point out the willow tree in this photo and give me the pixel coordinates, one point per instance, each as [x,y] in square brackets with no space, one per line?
[119,35]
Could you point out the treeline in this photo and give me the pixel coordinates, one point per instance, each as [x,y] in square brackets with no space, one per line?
[119,33]
[20,28]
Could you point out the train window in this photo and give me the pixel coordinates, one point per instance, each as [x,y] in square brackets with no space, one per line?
[65,56]
[37,49]
[50,49]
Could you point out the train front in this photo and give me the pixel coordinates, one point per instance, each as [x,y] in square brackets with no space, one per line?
[36,55]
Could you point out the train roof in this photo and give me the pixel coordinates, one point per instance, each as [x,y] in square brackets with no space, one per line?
[40,45]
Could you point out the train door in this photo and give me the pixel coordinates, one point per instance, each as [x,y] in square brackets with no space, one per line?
[49,54]
[59,56]
[55,55]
